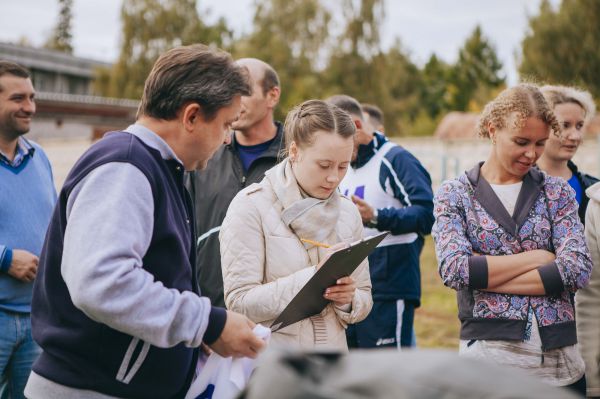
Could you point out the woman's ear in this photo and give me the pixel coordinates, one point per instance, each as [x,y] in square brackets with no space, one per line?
[293,152]
[492,132]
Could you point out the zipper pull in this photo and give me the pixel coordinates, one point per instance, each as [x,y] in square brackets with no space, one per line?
[243,180]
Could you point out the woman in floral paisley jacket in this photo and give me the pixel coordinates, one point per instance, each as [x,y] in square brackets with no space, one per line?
[509,241]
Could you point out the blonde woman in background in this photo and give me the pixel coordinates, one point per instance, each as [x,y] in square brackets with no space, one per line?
[574,109]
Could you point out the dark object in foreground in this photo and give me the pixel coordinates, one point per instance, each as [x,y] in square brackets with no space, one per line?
[414,374]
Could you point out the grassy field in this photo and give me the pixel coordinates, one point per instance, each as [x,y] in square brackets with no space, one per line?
[436,321]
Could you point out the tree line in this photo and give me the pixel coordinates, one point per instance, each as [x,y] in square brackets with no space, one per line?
[325,48]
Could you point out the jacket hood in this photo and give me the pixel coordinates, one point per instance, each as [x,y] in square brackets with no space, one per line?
[594,192]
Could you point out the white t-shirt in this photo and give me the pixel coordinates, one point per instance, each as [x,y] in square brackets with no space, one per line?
[508,194]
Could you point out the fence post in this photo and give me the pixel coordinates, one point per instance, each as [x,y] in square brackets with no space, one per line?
[456,167]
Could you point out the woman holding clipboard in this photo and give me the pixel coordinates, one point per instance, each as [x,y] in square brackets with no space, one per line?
[276,233]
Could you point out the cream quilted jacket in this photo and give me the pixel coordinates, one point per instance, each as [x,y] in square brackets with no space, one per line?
[265,265]
[587,300]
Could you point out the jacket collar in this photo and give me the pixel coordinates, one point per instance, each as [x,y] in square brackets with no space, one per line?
[571,165]
[24,151]
[584,179]
[275,148]
[532,185]
[153,140]
[367,151]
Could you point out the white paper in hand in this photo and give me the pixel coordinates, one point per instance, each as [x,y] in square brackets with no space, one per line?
[224,377]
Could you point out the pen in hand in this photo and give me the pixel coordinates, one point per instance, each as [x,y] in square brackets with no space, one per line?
[315,243]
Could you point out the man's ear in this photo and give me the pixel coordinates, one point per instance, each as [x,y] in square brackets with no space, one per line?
[273,96]
[191,112]
[358,123]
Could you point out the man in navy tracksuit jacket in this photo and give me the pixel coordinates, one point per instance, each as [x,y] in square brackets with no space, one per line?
[393,193]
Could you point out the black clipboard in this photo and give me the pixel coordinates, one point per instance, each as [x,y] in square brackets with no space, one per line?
[309,300]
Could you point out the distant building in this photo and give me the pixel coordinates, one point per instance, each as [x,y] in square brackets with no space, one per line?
[66,107]
[463,125]
[457,125]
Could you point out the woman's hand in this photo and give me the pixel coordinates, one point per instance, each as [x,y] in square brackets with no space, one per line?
[342,293]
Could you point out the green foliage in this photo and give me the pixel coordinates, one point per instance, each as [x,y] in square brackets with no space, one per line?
[362,28]
[416,98]
[296,37]
[61,39]
[151,27]
[356,57]
[562,46]
[465,86]
[478,68]
[422,125]
[433,90]
[289,35]
[101,83]
[358,67]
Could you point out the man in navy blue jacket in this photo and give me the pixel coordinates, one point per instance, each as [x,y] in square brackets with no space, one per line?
[393,193]
[116,308]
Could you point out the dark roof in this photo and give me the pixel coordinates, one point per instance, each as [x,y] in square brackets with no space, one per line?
[50,60]
[86,100]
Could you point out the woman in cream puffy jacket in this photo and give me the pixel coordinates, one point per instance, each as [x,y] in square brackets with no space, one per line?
[264,261]
[587,300]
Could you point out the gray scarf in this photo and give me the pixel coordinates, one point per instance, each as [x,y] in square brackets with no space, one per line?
[309,218]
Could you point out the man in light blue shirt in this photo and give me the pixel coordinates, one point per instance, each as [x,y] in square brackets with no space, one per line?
[27,197]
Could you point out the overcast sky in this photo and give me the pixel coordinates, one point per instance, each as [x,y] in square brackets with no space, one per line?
[424,26]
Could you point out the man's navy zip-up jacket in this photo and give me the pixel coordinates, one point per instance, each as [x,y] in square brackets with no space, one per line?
[395,272]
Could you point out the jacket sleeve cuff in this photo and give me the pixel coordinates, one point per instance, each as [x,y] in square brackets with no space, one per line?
[478,272]
[6,260]
[551,279]
[216,323]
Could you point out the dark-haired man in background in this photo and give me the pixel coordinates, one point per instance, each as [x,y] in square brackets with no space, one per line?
[374,116]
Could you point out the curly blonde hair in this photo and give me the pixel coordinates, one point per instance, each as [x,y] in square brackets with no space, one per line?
[556,95]
[513,106]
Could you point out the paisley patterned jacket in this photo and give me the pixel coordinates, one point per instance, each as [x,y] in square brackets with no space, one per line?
[471,220]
